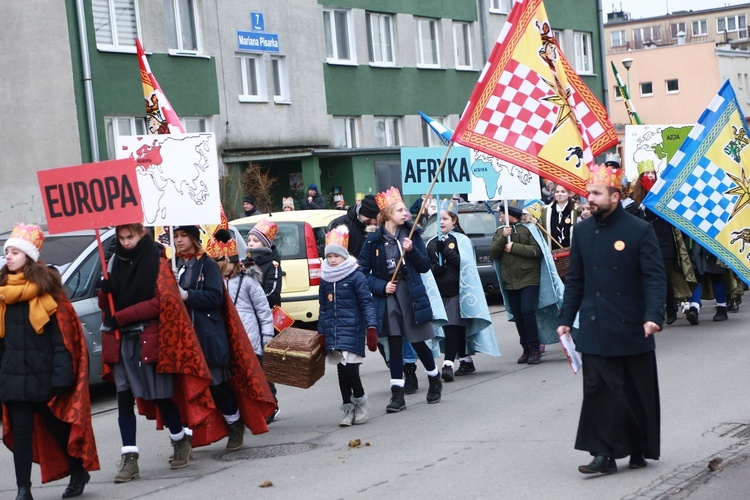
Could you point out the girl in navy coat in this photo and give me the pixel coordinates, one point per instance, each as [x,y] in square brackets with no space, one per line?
[346,309]
[402,306]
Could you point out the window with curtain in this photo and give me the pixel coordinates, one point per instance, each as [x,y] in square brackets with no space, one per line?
[115,24]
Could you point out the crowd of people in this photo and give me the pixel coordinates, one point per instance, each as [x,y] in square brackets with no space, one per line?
[186,341]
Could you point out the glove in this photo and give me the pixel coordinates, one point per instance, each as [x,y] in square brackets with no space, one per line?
[110,323]
[372,338]
[322,339]
[183,294]
[440,246]
[106,286]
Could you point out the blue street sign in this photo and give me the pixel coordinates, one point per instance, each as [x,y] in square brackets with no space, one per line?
[256,21]
[257,42]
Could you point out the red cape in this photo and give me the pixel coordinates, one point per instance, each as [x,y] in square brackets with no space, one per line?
[74,407]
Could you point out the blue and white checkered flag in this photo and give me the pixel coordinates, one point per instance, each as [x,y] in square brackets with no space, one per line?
[704,191]
[441,130]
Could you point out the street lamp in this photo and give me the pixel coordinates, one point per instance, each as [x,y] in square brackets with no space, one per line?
[627,62]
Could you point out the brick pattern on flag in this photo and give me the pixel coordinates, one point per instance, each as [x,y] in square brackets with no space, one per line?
[515,114]
[701,198]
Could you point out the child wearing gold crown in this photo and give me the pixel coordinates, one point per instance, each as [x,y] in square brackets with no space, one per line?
[346,322]
[262,252]
[402,306]
[43,370]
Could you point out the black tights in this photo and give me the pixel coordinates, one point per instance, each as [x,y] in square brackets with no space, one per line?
[22,418]
[126,416]
[224,398]
[455,342]
[349,382]
[396,362]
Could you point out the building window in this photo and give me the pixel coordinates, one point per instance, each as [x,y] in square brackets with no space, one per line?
[427,43]
[647,89]
[617,93]
[462,43]
[280,79]
[250,78]
[673,86]
[115,126]
[182,33]
[380,38]
[500,6]
[339,32]
[675,28]
[646,36]
[700,28]
[429,137]
[345,132]
[559,36]
[731,24]
[584,62]
[387,131]
[618,38]
[115,24]
[195,124]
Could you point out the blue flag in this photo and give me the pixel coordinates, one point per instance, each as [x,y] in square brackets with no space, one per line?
[705,191]
[441,130]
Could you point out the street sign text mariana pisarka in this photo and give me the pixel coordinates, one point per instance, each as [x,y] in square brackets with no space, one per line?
[257,42]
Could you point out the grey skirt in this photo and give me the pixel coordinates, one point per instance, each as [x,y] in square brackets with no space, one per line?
[399,317]
[453,310]
[140,378]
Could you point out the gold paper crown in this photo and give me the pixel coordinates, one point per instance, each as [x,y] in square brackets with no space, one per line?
[267,228]
[612,158]
[339,235]
[646,166]
[607,176]
[27,238]
[218,250]
[359,196]
[449,206]
[388,198]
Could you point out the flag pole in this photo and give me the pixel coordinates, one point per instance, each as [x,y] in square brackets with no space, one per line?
[625,92]
[548,235]
[421,209]
[105,275]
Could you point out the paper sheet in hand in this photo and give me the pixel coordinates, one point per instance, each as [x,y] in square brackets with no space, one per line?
[569,347]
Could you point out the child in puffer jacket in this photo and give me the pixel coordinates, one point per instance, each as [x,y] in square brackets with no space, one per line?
[345,322]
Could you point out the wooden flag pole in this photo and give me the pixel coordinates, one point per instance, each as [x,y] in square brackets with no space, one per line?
[105,274]
[548,235]
[421,209]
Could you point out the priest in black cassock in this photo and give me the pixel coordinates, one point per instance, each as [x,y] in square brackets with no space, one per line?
[616,281]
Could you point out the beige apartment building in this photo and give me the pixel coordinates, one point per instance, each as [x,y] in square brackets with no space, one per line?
[674,64]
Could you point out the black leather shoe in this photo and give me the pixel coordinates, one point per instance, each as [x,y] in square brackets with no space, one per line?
[24,493]
[78,482]
[601,464]
[637,461]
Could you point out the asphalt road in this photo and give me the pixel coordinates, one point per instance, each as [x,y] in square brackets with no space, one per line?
[506,431]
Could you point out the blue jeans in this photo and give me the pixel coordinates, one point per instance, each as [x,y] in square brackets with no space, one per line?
[523,304]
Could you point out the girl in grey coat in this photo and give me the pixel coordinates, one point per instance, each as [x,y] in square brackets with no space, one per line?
[250,300]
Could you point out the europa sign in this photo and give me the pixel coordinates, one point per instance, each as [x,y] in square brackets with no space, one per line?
[91,196]
[419,167]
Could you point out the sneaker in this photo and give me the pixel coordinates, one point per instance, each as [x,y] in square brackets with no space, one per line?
[685,307]
[465,368]
[348,419]
[692,316]
[721,314]
[535,357]
[524,356]
[447,374]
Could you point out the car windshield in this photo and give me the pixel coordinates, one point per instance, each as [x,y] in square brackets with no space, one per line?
[61,250]
[473,223]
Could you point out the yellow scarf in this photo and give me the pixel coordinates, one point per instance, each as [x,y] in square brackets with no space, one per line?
[19,289]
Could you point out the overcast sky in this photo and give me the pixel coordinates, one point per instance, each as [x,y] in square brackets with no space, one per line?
[651,8]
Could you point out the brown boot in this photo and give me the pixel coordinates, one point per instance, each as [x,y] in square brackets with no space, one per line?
[128,468]
[236,435]
[182,450]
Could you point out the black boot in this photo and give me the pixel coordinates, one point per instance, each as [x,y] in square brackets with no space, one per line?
[411,384]
[721,314]
[397,400]
[692,316]
[78,481]
[535,357]
[525,356]
[671,314]
[24,493]
[435,390]
[601,464]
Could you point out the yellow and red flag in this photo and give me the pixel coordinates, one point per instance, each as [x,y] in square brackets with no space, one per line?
[530,108]
[160,117]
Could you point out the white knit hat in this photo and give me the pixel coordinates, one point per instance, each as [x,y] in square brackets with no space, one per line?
[28,239]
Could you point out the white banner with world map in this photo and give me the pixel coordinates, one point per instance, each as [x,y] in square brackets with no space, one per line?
[657,143]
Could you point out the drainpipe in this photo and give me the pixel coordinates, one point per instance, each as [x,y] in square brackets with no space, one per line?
[602,46]
[483,27]
[88,86]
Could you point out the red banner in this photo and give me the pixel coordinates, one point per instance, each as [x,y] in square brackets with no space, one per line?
[91,196]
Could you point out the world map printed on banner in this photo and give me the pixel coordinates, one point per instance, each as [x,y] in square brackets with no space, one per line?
[495,179]
[657,143]
[178,176]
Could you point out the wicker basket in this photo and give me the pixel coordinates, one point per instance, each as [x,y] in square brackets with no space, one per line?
[294,357]
[561,256]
